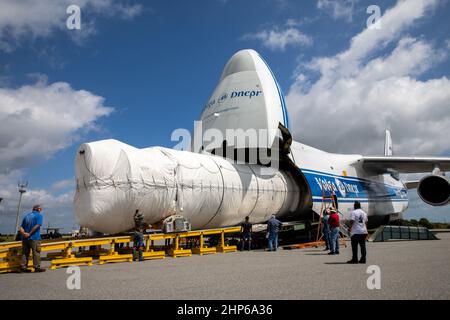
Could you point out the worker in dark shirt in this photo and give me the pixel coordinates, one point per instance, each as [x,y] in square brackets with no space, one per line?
[246,228]
[273,227]
[333,221]
[138,243]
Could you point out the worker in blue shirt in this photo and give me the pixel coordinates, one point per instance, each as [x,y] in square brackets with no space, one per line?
[30,230]
[138,243]
[273,227]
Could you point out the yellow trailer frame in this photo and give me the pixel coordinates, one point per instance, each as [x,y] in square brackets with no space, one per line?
[61,253]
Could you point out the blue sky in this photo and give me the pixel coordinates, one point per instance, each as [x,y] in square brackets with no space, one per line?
[155,64]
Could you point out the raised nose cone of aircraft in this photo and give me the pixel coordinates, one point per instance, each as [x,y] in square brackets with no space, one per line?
[247,97]
[244,60]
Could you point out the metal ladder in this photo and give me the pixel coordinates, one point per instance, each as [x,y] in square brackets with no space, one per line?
[344,230]
[325,204]
[342,227]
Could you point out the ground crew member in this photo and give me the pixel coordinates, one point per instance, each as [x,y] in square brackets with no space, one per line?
[273,227]
[326,229]
[246,228]
[30,230]
[358,230]
[333,221]
[138,243]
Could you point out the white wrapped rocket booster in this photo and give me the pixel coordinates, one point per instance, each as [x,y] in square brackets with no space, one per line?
[115,179]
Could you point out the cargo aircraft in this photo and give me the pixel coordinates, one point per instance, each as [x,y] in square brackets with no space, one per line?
[243,162]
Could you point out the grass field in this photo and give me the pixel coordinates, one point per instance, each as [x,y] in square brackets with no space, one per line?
[6,238]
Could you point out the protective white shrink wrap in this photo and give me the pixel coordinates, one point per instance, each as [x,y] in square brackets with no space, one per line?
[114,179]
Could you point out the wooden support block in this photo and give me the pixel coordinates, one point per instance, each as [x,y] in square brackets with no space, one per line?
[204,250]
[93,253]
[67,262]
[126,250]
[226,249]
[315,244]
[56,255]
[115,258]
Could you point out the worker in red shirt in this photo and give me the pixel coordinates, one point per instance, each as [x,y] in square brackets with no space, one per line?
[333,221]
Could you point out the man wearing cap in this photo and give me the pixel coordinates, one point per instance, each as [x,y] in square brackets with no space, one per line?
[333,221]
[30,230]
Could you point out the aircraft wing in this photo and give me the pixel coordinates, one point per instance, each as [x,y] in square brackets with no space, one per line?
[389,164]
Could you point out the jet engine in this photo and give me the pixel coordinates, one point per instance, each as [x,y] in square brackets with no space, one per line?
[434,190]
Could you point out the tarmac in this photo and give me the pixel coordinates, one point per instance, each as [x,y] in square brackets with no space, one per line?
[408,270]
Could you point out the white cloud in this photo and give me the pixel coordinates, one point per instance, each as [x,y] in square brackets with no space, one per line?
[130,11]
[276,39]
[293,23]
[63,185]
[58,209]
[364,90]
[394,22]
[5,46]
[282,4]
[30,18]
[37,121]
[80,36]
[418,209]
[40,119]
[338,8]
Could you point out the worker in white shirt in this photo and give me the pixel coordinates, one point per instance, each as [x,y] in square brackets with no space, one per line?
[358,231]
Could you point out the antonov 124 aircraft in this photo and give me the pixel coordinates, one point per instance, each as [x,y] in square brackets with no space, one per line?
[219,181]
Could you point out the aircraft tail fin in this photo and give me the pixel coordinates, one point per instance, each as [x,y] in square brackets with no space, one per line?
[388,149]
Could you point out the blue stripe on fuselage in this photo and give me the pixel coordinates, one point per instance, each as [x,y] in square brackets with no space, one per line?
[352,188]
